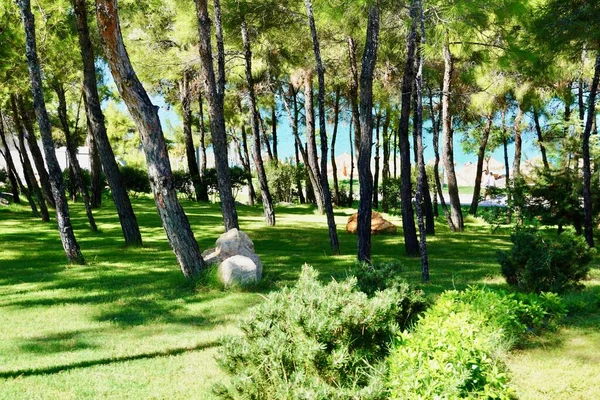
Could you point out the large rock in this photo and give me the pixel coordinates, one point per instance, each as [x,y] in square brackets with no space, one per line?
[379,225]
[239,269]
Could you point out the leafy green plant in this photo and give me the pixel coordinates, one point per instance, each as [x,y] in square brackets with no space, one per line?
[537,264]
[282,180]
[314,341]
[182,181]
[135,180]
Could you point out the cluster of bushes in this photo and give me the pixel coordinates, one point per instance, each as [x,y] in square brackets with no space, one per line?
[282,179]
[359,339]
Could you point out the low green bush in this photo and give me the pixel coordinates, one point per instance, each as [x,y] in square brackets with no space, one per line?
[537,264]
[135,179]
[456,349]
[182,181]
[314,341]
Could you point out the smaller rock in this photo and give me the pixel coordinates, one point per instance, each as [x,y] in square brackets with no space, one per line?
[234,242]
[239,269]
[379,225]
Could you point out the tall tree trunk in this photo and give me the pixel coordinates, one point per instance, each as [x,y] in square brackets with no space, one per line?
[540,136]
[336,121]
[251,191]
[267,200]
[215,90]
[72,153]
[11,171]
[436,166]
[518,143]
[203,186]
[311,143]
[69,242]
[417,11]
[427,204]
[365,205]
[480,159]
[377,159]
[27,167]
[351,190]
[27,117]
[274,129]
[145,115]
[333,237]
[506,167]
[395,153]
[95,166]
[185,96]
[127,218]
[385,202]
[353,92]
[448,153]
[587,173]
[266,140]
[411,243]
[298,180]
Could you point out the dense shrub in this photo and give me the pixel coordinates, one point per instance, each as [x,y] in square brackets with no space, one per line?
[237,175]
[182,181]
[314,341]
[135,179]
[390,192]
[87,178]
[282,180]
[456,349]
[537,264]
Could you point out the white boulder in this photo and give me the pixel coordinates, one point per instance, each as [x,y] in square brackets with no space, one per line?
[239,269]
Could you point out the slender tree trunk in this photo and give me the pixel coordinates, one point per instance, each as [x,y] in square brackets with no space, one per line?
[518,143]
[333,237]
[411,243]
[436,166]
[581,89]
[540,136]
[215,89]
[351,190]
[448,154]
[311,144]
[336,120]
[385,202]
[27,117]
[185,96]
[506,168]
[251,191]
[32,183]
[203,186]
[587,173]
[417,11]
[69,242]
[298,180]
[127,218]
[12,172]
[377,159]
[365,205]
[95,166]
[353,92]
[274,129]
[266,140]
[145,115]
[72,153]
[267,200]
[395,154]
[480,159]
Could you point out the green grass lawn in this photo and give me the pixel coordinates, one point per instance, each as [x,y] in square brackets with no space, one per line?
[128,325]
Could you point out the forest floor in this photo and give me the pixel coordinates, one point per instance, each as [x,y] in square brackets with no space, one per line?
[127,325]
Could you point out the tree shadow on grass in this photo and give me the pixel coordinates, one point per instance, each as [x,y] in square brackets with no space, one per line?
[57,343]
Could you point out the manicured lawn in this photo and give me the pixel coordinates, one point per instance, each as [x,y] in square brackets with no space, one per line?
[128,325]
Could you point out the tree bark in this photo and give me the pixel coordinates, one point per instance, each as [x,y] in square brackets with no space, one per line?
[385,202]
[377,159]
[69,242]
[540,136]
[215,93]
[353,92]
[298,180]
[311,144]
[267,200]
[333,237]
[11,171]
[518,143]
[27,116]
[145,115]
[351,190]
[265,137]
[369,61]
[274,129]
[480,159]
[417,11]
[32,183]
[411,243]
[506,168]
[201,127]
[185,97]
[75,168]
[336,120]
[127,218]
[587,173]
[95,166]
[448,153]
[246,162]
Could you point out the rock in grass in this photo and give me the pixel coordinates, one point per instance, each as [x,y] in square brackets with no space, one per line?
[379,225]
[239,269]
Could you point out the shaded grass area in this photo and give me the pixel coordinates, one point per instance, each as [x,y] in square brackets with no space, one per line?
[128,325]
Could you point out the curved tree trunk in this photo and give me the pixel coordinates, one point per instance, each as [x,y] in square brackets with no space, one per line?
[72,152]
[145,115]
[480,159]
[336,120]
[333,237]
[65,228]
[185,96]
[369,61]
[411,243]
[32,183]
[448,153]
[267,200]
[127,218]
[215,90]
